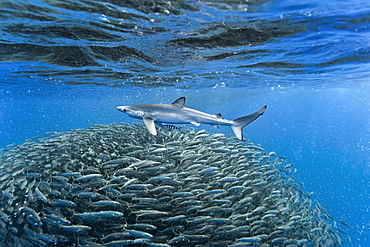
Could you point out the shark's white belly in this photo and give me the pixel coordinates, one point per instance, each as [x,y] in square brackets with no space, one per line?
[176,115]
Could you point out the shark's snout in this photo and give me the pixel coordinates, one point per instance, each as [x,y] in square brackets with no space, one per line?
[121,108]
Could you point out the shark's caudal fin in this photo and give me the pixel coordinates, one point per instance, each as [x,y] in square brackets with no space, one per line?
[241,122]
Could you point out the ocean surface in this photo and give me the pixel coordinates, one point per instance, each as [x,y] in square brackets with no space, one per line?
[68,65]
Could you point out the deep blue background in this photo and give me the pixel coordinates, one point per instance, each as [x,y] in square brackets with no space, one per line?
[67,65]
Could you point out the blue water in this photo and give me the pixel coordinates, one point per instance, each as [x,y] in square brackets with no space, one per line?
[67,65]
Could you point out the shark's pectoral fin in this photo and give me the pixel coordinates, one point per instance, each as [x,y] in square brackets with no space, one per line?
[195,123]
[149,124]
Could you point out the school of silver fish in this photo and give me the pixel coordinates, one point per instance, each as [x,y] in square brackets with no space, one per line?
[117,185]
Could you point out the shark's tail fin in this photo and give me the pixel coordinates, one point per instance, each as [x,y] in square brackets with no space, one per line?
[241,122]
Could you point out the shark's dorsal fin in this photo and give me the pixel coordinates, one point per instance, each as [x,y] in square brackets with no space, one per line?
[180,102]
[219,116]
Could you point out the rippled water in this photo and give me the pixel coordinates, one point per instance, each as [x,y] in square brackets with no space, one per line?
[68,64]
[185,43]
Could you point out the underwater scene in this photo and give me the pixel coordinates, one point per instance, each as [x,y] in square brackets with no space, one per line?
[185,123]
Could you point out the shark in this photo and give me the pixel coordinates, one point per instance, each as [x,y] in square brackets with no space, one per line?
[177,113]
